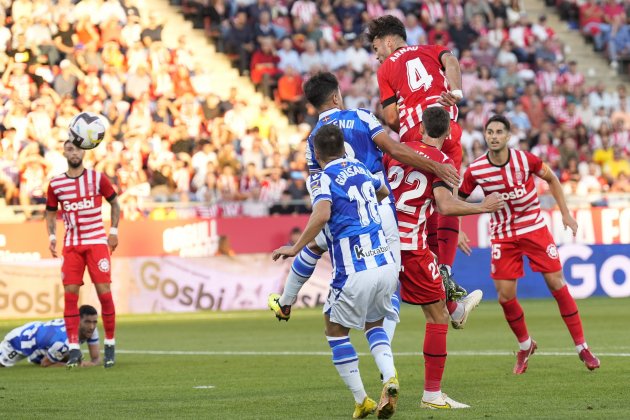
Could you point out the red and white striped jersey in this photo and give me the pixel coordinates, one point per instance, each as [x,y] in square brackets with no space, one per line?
[413,194]
[414,78]
[515,182]
[80,199]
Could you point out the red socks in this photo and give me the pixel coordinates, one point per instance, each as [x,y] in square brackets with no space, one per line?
[71,317]
[447,236]
[516,318]
[108,314]
[451,306]
[434,355]
[570,314]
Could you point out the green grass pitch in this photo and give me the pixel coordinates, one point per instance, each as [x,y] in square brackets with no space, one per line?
[249,366]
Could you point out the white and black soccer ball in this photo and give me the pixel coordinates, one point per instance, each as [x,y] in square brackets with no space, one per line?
[87,130]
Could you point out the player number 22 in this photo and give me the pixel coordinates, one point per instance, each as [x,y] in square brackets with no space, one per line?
[414,179]
[417,75]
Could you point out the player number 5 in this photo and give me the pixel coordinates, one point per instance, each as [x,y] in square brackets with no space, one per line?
[496,251]
[417,75]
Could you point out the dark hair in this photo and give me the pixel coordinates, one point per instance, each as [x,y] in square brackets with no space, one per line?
[87,310]
[319,88]
[436,121]
[384,26]
[500,119]
[329,141]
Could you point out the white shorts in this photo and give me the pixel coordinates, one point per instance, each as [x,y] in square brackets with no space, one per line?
[366,297]
[8,355]
[389,224]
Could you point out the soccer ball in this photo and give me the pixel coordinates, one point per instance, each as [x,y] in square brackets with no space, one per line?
[86,130]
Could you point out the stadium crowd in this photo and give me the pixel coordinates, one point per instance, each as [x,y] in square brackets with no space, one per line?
[173,139]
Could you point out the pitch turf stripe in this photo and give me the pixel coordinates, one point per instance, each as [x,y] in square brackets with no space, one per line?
[327,353]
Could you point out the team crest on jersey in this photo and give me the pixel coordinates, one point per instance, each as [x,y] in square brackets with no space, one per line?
[90,186]
[103,265]
[519,177]
[552,251]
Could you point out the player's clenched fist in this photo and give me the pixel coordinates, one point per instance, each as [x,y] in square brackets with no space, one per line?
[492,202]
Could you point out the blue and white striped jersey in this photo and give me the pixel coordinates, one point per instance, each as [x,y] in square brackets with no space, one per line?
[356,241]
[359,127]
[38,339]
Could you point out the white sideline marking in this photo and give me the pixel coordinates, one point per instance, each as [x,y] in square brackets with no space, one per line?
[204,387]
[326,353]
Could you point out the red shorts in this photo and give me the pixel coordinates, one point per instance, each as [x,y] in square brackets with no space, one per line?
[76,258]
[452,146]
[538,246]
[420,280]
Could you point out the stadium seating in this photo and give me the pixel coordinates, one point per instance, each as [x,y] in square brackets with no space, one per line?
[187,132]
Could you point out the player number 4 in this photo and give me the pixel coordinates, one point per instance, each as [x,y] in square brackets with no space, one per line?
[417,75]
[496,251]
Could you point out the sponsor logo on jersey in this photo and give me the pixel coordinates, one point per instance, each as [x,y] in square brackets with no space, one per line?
[361,252]
[514,194]
[79,205]
[552,251]
[103,265]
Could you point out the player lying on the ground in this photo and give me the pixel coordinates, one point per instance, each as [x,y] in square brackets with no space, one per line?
[365,275]
[415,193]
[518,230]
[46,343]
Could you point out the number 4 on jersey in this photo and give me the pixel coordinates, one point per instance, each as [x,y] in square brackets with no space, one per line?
[417,75]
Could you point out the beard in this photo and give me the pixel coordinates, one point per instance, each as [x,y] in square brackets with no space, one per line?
[75,165]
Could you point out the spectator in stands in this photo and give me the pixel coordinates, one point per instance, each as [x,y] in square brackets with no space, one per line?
[619,40]
[239,42]
[291,95]
[592,23]
[416,35]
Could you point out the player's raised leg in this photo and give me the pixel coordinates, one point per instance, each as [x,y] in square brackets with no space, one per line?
[460,310]
[100,273]
[302,269]
[448,226]
[571,317]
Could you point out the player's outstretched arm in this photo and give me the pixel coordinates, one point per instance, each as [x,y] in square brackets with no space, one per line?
[51,225]
[451,206]
[407,155]
[558,194]
[317,221]
[95,356]
[46,362]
